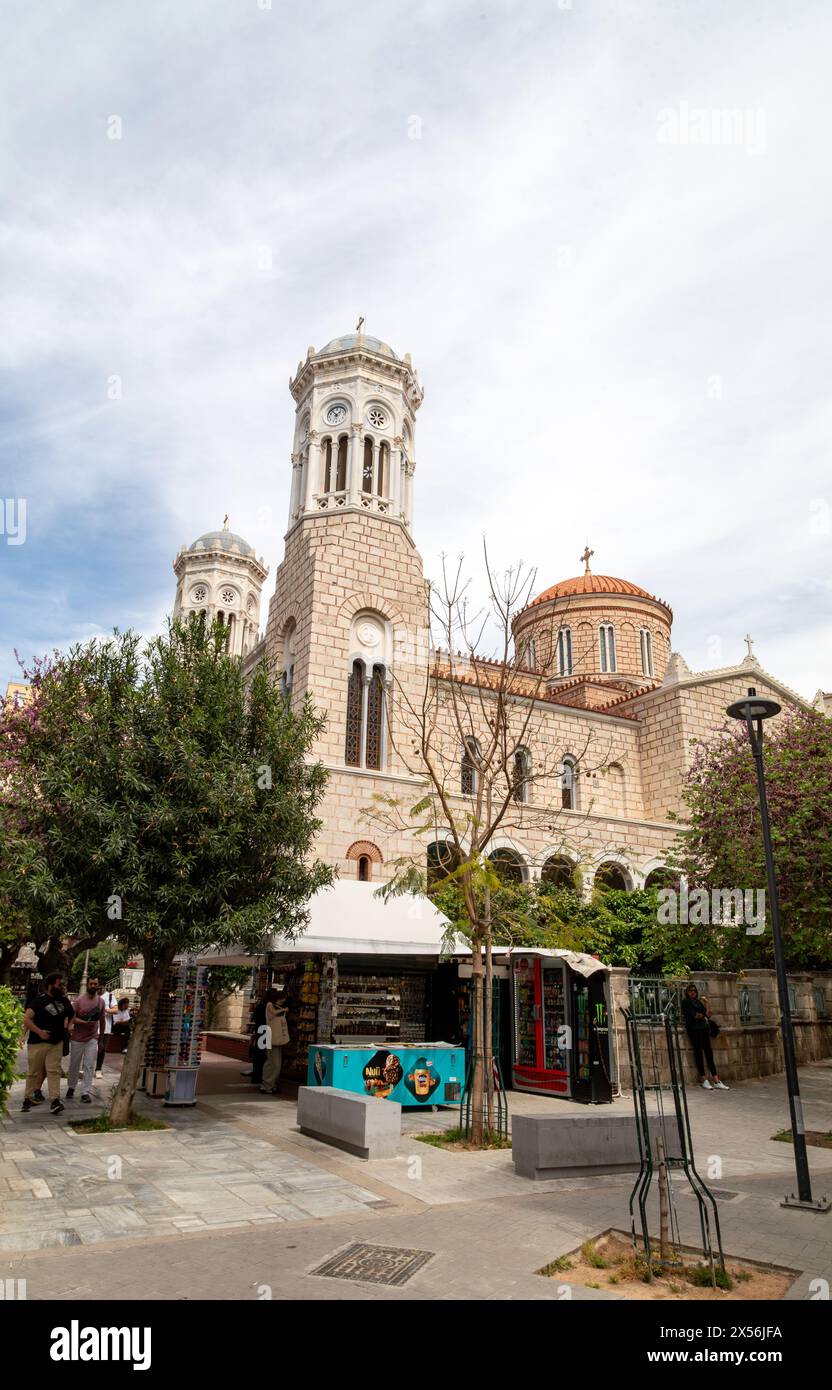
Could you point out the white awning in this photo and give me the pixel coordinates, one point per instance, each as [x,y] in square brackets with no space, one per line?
[348,919]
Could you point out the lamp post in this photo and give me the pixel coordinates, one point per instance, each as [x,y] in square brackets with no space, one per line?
[753,710]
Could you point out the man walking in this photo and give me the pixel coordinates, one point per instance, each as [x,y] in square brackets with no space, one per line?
[47,1023]
[86,1030]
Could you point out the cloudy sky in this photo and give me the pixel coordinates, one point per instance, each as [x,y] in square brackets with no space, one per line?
[601,229]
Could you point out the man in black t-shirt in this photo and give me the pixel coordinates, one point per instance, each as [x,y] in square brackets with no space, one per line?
[47,1024]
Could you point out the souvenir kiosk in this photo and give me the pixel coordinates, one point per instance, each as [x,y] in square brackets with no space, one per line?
[561,1033]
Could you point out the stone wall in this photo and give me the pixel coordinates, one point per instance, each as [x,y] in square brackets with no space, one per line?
[743,1049]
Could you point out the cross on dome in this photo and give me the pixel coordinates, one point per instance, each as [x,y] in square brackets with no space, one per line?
[586,557]
[749,642]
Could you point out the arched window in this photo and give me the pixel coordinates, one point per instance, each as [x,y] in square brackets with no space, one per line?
[565,652]
[367,471]
[611,875]
[559,872]
[521,773]
[569,784]
[531,653]
[606,639]
[326,460]
[364,855]
[364,739]
[442,859]
[468,767]
[341,476]
[646,652]
[364,869]
[375,719]
[355,715]
[508,865]
[662,878]
[383,467]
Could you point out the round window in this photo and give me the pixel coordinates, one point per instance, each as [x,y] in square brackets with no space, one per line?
[199,594]
[377,418]
[228,596]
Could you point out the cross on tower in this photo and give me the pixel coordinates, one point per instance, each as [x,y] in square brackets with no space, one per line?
[586,557]
[360,324]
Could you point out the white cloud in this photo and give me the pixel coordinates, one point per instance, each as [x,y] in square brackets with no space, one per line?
[620,339]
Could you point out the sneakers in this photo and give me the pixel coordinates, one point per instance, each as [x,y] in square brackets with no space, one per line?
[56,1108]
[706,1086]
[70,1092]
[99,1072]
[26,1106]
[86,1100]
[38,1096]
[720,1086]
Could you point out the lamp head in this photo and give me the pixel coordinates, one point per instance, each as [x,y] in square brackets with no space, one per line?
[753,707]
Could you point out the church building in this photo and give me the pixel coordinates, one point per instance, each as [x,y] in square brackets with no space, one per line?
[617,709]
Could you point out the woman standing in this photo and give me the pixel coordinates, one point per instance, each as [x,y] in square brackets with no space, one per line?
[696,1013]
[277,1038]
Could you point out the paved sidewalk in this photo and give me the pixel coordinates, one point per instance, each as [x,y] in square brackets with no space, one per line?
[273,1203]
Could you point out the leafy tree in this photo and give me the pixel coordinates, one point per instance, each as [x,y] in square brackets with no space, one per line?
[11,1025]
[222,981]
[721,844]
[178,812]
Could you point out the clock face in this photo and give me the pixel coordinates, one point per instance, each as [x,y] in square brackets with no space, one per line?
[336,414]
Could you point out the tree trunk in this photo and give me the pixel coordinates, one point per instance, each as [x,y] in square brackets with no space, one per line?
[52,957]
[476,1041]
[664,1203]
[155,972]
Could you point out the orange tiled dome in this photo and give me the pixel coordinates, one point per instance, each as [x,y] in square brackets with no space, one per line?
[593,584]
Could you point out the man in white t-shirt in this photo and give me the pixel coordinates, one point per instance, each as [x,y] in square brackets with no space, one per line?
[110,1008]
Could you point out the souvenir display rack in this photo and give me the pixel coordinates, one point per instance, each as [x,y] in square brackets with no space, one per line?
[173,1050]
[369,1006]
[301,982]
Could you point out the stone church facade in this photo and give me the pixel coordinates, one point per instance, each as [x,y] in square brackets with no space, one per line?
[616,709]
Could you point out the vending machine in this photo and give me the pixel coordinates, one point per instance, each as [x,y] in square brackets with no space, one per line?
[540,1061]
[561,1029]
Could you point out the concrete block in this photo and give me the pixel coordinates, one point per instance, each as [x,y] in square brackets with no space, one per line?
[361,1125]
[564,1146]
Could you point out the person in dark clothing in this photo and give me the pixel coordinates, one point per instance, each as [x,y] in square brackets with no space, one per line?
[47,1023]
[696,1014]
[259,1046]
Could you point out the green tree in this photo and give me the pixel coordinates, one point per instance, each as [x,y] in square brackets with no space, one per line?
[177,815]
[11,1025]
[222,981]
[721,846]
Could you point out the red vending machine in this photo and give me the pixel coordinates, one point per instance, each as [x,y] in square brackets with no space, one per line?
[540,1061]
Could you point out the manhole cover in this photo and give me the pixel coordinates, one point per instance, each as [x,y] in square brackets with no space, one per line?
[374,1264]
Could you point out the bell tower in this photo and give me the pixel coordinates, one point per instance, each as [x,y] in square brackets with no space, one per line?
[353,451]
[348,620]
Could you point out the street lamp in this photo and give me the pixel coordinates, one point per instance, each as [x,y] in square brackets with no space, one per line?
[753,710]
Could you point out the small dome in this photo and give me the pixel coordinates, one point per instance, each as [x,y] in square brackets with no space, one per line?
[221,540]
[594,584]
[358,340]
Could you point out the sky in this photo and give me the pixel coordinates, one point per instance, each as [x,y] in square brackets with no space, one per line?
[601,229]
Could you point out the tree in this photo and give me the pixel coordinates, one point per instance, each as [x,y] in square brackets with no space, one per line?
[721,846]
[223,980]
[466,733]
[180,811]
[11,1025]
